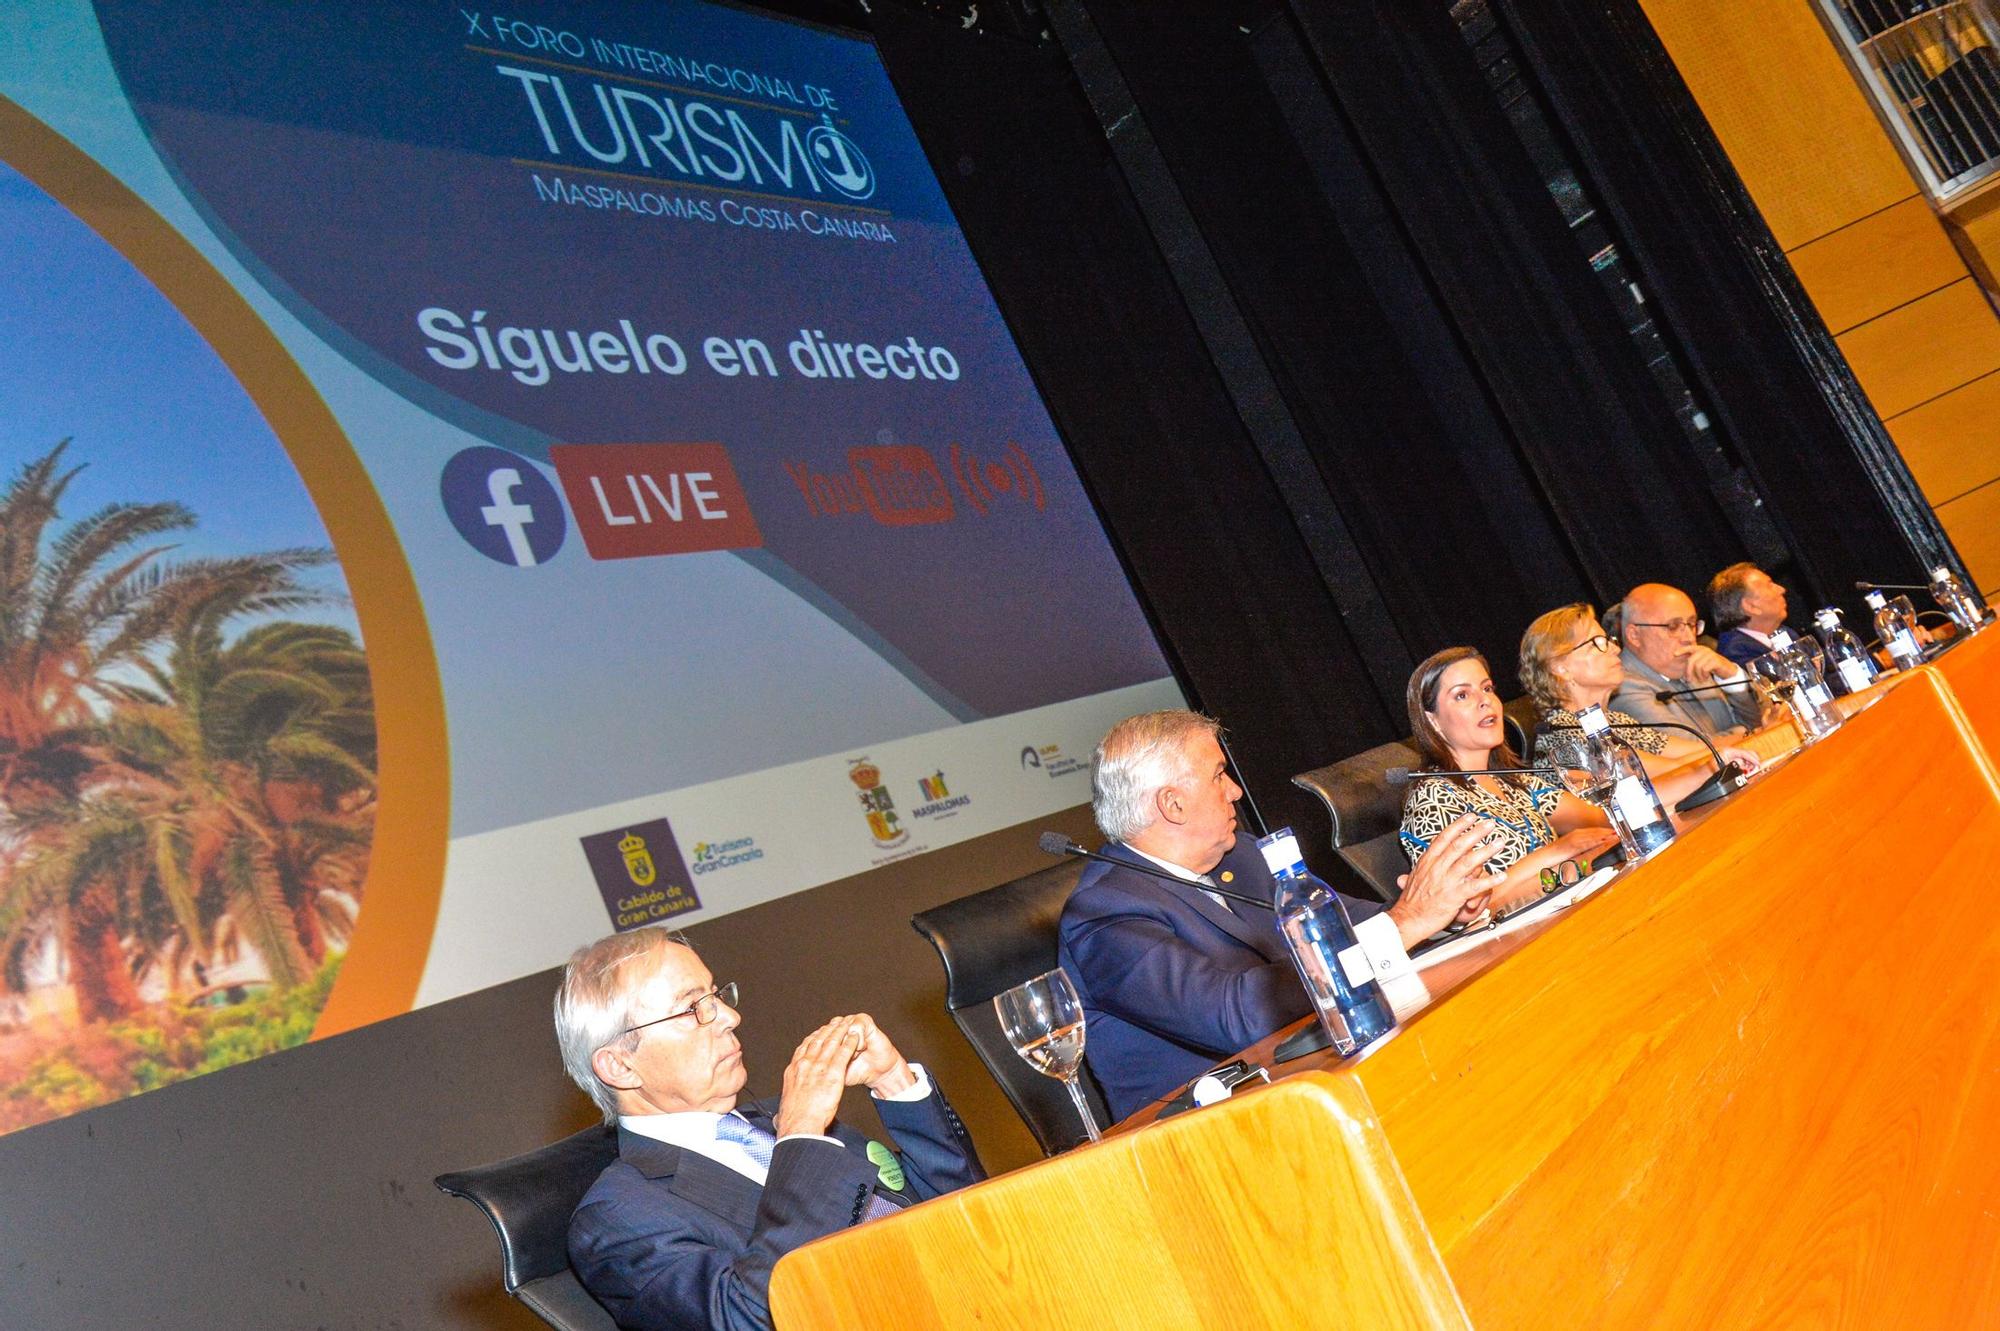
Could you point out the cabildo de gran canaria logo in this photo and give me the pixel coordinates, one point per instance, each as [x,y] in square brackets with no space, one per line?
[611,110]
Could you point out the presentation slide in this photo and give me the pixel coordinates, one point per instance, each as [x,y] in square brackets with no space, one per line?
[475,481]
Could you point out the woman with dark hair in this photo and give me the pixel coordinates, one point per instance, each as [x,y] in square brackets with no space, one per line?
[1456,718]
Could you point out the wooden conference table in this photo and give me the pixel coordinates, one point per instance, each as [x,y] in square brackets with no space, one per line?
[1754,1081]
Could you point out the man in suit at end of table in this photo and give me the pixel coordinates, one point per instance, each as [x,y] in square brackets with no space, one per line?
[1749,606]
[682,1230]
[1662,652]
[1174,976]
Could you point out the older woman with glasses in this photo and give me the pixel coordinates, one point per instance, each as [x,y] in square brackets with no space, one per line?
[1456,720]
[1568,663]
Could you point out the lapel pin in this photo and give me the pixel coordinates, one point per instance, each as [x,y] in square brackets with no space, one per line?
[887,1167]
[1228,875]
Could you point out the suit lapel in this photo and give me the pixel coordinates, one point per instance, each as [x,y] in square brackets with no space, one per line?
[1191,895]
[694,1177]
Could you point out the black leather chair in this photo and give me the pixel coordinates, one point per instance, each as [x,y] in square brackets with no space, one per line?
[1366,812]
[529,1199]
[1520,716]
[990,942]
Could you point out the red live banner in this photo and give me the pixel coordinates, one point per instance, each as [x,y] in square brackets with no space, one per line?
[631,500]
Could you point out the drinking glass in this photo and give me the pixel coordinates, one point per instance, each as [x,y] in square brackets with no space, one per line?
[1043,1019]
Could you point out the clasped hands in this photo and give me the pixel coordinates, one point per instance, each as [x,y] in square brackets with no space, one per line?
[846,1051]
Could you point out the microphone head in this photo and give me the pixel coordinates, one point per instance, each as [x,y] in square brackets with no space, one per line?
[1055,843]
[1397,776]
[1864,586]
[1664,695]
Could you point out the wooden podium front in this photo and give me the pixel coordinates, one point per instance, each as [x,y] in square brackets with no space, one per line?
[1753,1082]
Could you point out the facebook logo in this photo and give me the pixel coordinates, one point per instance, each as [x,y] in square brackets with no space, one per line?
[503,506]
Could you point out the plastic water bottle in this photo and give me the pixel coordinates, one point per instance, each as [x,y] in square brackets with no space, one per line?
[1853,669]
[1896,629]
[1619,782]
[1810,700]
[1335,968]
[1955,600]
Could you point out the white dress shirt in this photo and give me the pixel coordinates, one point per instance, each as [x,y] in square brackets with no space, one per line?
[694,1130]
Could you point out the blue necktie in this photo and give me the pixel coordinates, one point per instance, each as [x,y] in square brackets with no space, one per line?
[758,1143]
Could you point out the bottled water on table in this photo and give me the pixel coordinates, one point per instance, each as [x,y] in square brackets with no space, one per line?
[1335,968]
[1848,662]
[1618,781]
[1896,629]
[1955,600]
[1790,672]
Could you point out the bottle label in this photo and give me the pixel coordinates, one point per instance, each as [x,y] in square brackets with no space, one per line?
[1817,695]
[1904,647]
[1355,966]
[1854,674]
[1281,853]
[1636,803]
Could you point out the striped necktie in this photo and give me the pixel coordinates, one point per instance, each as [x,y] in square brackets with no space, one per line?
[758,1143]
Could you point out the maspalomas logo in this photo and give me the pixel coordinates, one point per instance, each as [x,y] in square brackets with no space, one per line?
[638,870]
[710,856]
[938,801]
[877,803]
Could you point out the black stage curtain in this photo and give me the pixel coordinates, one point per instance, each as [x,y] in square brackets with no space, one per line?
[1328,360]
[1223,570]
[1832,479]
[1455,537]
[1555,356]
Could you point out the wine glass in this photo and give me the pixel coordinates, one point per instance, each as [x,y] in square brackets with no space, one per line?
[1043,1019]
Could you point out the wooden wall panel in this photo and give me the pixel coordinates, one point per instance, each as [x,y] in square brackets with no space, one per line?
[1952,443]
[1796,125]
[1870,266]
[1925,349]
[1973,523]
[1884,270]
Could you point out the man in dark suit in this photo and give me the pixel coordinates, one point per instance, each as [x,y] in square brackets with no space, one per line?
[1748,605]
[682,1230]
[1175,977]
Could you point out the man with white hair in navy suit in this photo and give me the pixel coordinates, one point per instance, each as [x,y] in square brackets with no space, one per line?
[1174,975]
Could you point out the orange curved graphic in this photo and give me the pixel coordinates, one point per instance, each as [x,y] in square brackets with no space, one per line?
[392,937]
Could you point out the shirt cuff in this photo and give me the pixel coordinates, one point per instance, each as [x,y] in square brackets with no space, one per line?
[1383,943]
[812,1137]
[917,1090]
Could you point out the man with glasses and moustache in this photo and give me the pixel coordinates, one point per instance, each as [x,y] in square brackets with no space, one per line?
[1660,633]
[682,1230]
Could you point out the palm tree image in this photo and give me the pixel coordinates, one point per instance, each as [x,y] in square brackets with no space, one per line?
[187,786]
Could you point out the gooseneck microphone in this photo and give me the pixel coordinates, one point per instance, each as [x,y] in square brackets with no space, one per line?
[1055,843]
[1891,587]
[1728,777]
[1403,776]
[1242,783]
[1707,743]
[1668,695]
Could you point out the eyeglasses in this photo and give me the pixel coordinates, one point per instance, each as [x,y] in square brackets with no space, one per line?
[1598,642]
[1692,626]
[1558,876]
[702,1009]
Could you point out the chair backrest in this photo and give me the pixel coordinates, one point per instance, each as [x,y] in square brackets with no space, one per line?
[990,942]
[529,1199]
[1366,811]
[1520,716]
